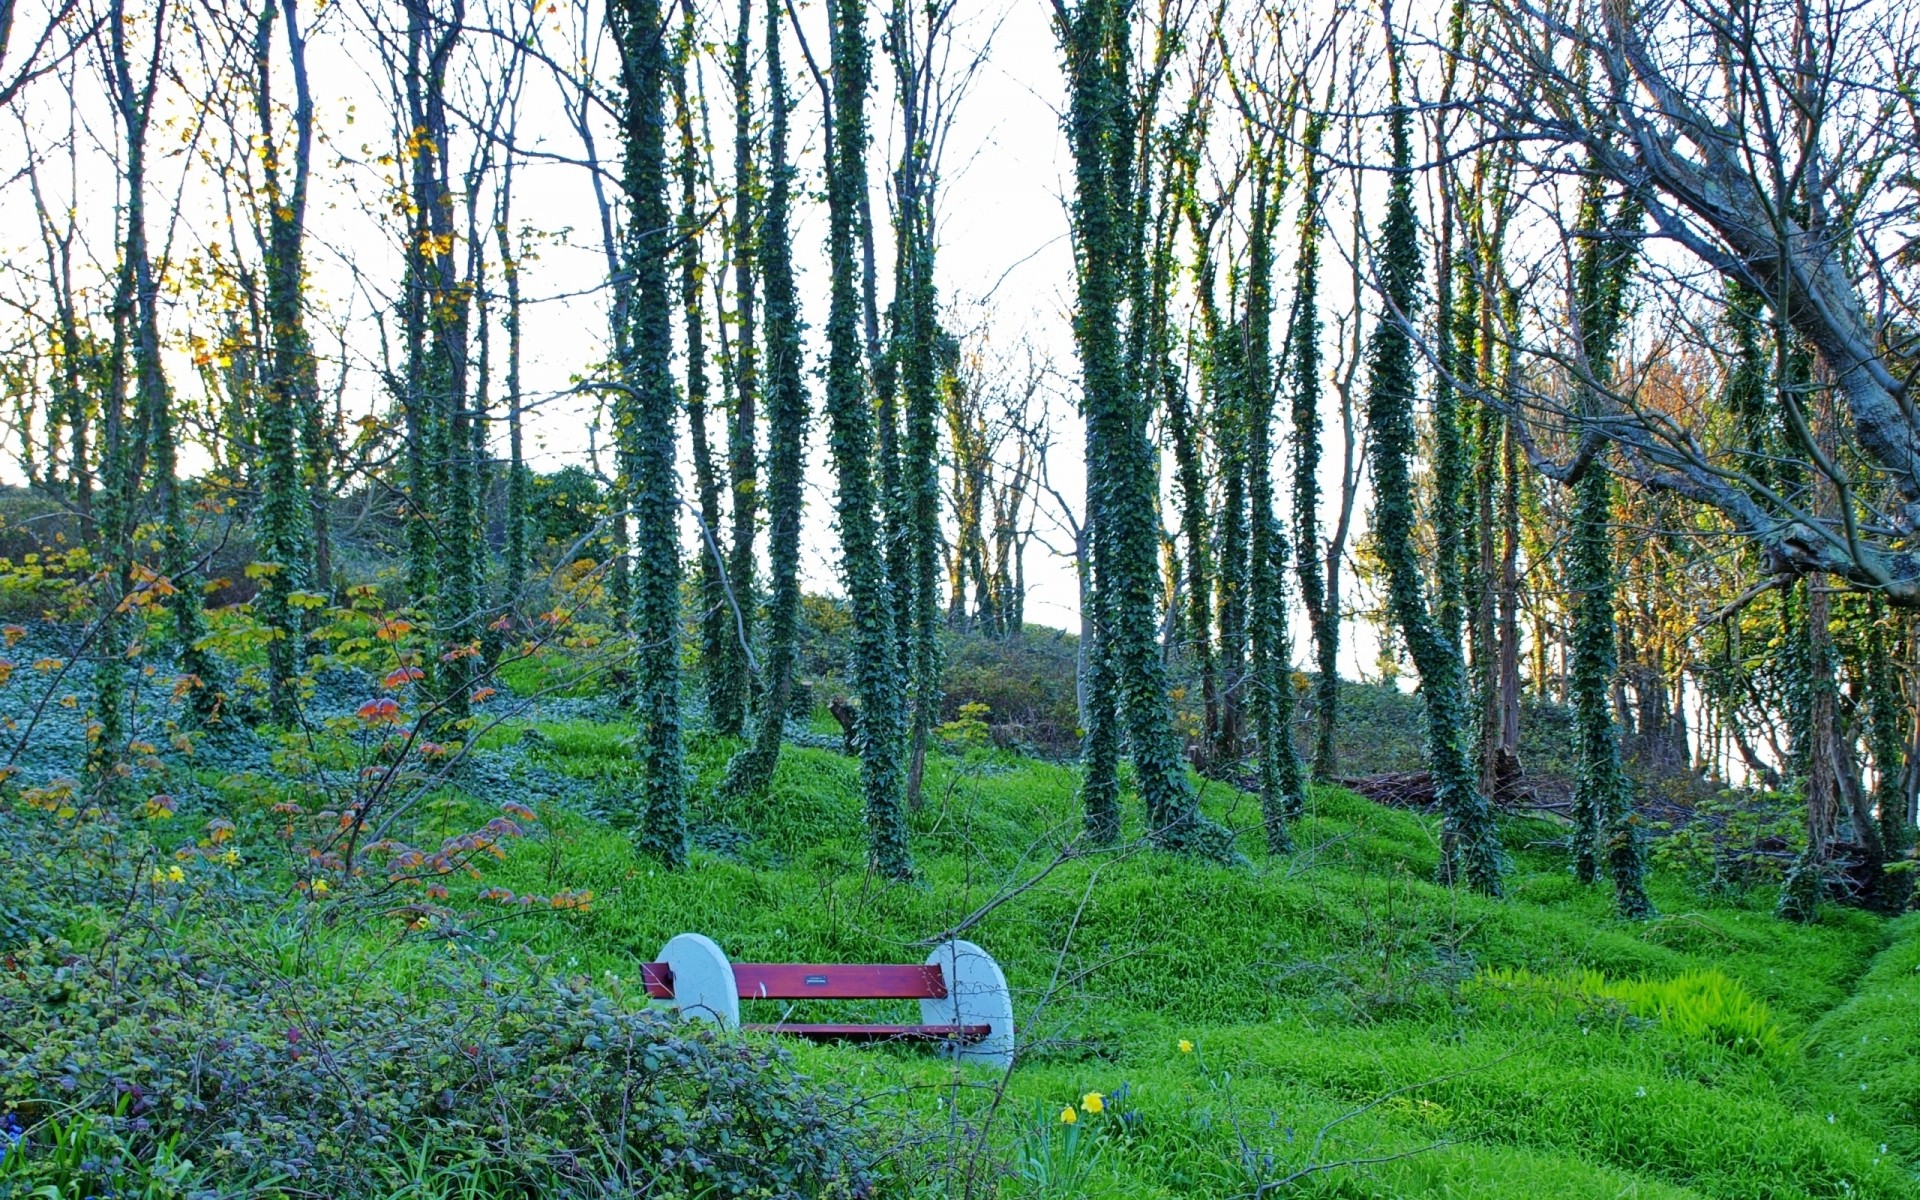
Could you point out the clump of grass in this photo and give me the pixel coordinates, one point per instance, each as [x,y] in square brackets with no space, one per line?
[1699,1004]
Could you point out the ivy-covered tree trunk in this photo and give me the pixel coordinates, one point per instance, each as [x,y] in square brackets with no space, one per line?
[729,700]
[1886,742]
[786,399]
[1122,475]
[291,388]
[875,661]
[1190,476]
[1226,364]
[1281,786]
[1100,708]
[1603,798]
[1471,849]
[647,413]
[443,507]
[718,637]
[916,353]
[121,449]
[1512,485]
[518,554]
[1323,609]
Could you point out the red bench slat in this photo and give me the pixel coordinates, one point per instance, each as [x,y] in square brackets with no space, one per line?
[839,981]
[835,981]
[824,981]
[878,1033]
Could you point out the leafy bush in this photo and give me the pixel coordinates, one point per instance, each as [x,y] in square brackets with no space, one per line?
[196,1021]
[1727,840]
[1026,683]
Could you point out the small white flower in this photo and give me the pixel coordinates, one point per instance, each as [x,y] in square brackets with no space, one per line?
[1829,1118]
[1639,1091]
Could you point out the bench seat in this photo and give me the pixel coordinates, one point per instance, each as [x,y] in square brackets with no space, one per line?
[965,1006]
[878,1033]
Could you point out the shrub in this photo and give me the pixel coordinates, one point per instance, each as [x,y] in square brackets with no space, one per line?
[204,1024]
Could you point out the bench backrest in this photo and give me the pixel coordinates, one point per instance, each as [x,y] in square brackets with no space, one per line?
[822,981]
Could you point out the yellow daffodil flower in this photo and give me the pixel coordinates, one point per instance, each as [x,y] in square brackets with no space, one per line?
[1093,1102]
[1186,1047]
[1068,1116]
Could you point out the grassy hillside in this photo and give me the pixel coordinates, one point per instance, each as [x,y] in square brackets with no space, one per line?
[1330,1023]
[1352,1026]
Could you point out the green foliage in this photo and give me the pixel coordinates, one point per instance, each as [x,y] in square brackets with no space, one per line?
[79,1157]
[1025,680]
[1054,1156]
[564,506]
[1701,1004]
[181,1017]
[1720,848]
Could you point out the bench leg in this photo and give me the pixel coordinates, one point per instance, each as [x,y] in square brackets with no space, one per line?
[976,995]
[703,986]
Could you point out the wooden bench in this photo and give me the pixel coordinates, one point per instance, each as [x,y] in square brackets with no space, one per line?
[964,1002]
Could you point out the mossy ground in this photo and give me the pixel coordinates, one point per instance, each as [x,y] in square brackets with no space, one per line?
[1344,1011]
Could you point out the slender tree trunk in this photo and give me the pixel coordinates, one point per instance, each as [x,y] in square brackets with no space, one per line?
[718,639]
[1305,353]
[1096,37]
[919,347]
[730,702]
[648,406]
[875,636]
[1605,825]
[750,771]
[1470,850]
[290,385]
[1281,787]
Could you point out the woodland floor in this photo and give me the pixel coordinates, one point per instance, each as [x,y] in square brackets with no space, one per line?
[1344,1011]
[1355,1028]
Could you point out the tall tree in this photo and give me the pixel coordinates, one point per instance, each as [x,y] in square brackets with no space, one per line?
[1322,605]
[786,397]
[1096,37]
[1471,849]
[875,662]
[1603,804]
[291,385]
[646,416]
[1281,786]
[914,351]
[719,640]
[729,699]
[134,362]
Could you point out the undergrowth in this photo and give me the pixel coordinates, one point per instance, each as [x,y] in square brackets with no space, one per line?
[1329,1024]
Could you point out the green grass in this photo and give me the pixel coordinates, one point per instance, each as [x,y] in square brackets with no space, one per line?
[1448,1046]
